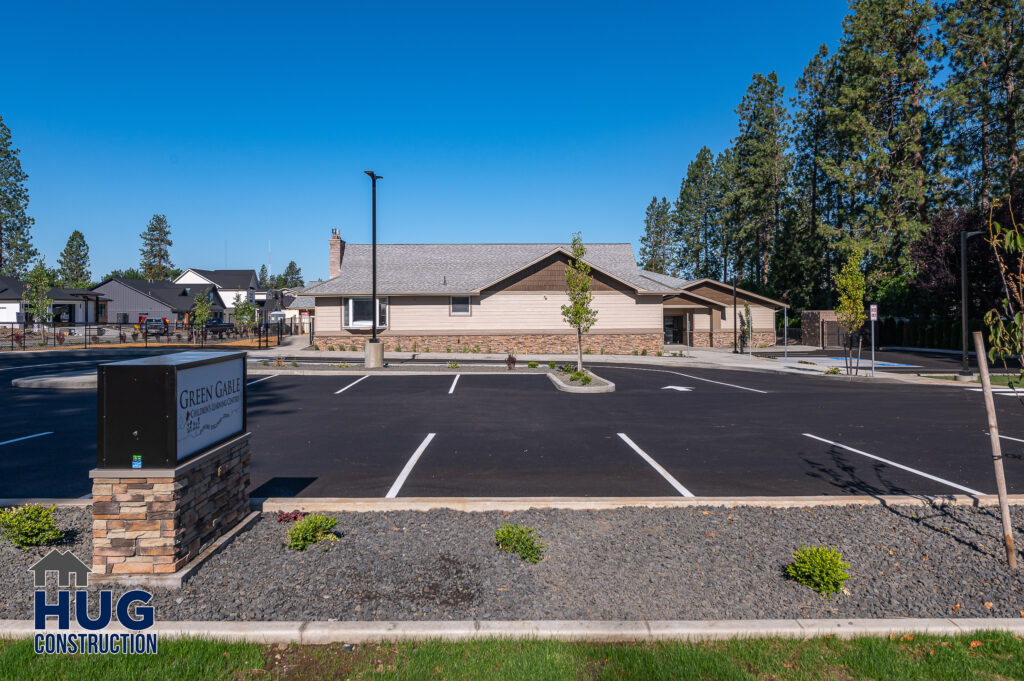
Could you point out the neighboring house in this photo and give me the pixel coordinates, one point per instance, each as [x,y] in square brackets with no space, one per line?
[230,284]
[299,308]
[508,298]
[130,300]
[70,306]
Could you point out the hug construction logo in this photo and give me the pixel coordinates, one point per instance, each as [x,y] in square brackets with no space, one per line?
[93,640]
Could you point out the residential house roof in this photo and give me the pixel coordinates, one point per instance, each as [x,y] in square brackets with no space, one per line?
[229,279]
[14,289]
[466,268]
[178,297]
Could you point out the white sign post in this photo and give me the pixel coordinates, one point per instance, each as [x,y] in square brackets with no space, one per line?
[874,318]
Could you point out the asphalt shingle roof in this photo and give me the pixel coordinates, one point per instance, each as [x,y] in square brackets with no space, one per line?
[229,279]
[179,297]
[664,279]
[464,268]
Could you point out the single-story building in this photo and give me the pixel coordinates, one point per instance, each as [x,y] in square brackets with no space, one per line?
[130,300]
[70,306]
[231,284]
[508,298]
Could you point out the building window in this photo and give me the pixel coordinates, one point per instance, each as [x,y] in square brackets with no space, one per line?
[460,306]
[357,313]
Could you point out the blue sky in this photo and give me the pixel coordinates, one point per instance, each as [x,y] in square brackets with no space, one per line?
[249,122]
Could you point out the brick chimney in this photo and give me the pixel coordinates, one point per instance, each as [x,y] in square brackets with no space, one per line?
[337,252]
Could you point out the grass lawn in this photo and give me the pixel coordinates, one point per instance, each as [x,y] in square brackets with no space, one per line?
[981,656]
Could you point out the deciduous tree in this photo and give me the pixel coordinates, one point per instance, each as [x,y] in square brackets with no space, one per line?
[579,313]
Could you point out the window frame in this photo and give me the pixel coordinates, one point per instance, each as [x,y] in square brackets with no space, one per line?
[348,312]
[451,307]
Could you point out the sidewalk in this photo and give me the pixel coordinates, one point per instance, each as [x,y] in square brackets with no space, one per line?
[297,347]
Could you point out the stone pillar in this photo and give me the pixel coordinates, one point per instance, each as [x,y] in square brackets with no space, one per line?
[156,520]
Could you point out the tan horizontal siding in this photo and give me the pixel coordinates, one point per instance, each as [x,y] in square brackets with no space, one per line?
[536,312]
[328,315]
[764,318]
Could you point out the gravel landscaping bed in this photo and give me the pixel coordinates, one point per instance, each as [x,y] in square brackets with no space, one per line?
[624,564]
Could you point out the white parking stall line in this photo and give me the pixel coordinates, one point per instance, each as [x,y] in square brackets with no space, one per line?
[27,437]
[696,378]
[896,465]
[656,466]
[452,389]
[393,492]
[352,384]
[265,378]
[1007,437]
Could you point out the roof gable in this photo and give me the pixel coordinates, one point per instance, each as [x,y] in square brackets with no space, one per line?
[447,269]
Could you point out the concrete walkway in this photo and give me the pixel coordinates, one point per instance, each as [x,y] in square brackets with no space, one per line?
[563,630]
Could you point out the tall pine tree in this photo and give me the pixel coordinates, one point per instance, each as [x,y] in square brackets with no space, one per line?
[698,219]
[762,173]
[156,242]
[16,251]
[983,99]
[73,263]
[802,262]
[886,172]
[656,252]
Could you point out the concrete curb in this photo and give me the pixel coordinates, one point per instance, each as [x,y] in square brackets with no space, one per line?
[81,503]
[318,633]
[481,504]
[72,380]
[607,387]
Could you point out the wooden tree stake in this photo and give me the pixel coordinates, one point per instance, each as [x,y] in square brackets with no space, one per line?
[997,452]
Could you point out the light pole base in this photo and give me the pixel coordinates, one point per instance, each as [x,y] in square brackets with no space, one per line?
[374,357]
[965,378]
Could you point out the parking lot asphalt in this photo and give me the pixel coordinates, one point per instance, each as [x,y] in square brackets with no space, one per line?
[663,432]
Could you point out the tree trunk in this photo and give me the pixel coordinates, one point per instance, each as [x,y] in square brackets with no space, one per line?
[860,346]
[579,349]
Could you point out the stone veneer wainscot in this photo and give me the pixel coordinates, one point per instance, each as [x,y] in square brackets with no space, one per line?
[156,520]
[611,343]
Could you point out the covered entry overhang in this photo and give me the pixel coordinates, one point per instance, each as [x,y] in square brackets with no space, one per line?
[679,310]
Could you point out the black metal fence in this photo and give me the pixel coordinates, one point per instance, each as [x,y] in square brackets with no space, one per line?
[33,336]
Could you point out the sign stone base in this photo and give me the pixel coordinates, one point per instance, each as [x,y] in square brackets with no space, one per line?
[155,521]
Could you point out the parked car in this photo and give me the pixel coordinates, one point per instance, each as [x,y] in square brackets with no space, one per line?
[156,327]
[219,326]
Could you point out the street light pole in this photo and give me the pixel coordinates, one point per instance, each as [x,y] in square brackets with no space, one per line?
[373,296]
[964,236]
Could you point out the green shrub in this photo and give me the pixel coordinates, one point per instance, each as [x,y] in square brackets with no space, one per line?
[30,525]
[831,371]
[351,348]
[521,540]
[398,347]
[552,365]
[819,567]
[310,530]
[585,379]
[567,368]
[330,348]
[602,351]
[659,353]
[294,363]
[532,365]
[265,363]
[447,349]
[581,376]
[453,365]
[644,352]
[634,352]
[414,346]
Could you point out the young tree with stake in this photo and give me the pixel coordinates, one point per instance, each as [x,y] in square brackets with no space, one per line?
[37,294]
[579,313]
[851,288]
